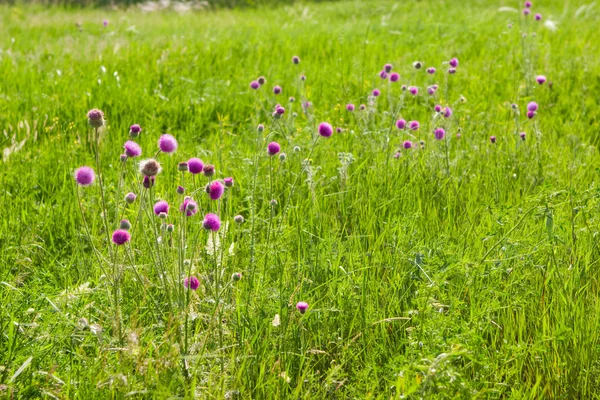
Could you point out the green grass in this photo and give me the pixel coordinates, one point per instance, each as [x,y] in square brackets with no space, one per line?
[459,270]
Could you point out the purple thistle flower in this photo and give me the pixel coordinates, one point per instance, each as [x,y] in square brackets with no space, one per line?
[105,23]
[538,17]
[407,144]
[167,143]
[85,176]
[417,65]
[522,135]
[431,70]
[302,78]
[437,108]
[208,170]
[451,71]
[120,237]
[211,222]
[325,129]
[394,77]
[291,99]
[260,128]
[183,166]
[383,75]
[191,283]
[431,90]
[254,85]
[189,206]
[215,190]
[541,79]
[161,207]
[150,167]
[447,112]
[530,114]
[454,62]
[528,4]
[279,110]
[277,89]
[125,224]
[401,124]
[387,67]
[135,130]
[413,125]
[236,276]
[403,88]
[363,107]
[130,198]
[195,166]
[148,181]
[493,139]
[95,118]
[397,155]
[296,60]
[228,182]
[239,219]
[532,106]
[132,149]
[526,11]
[376,92]
[261,81]
[180,190]
[338,130]
[302,306]
[413,90]
[273,148]
[439,133]
[350,107]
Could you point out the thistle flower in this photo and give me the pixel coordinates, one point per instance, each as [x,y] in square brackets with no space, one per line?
[526,11]
[431,70]
[125,225]
[120,237]
[135,130]
[148,181]
[238,219]
[407,144]
[541,79]
[282,157]
[163,215]
[273,203]
[279,110]
[302,306]
[260,128]
[325,129]
[522,135]
[387,67]
[530,114]
[453,62]
[150,167]
[528,4]
[401,124]
[132,149]
[261,81]
[215,190]
[417,65]
[431,90]
[189,206]
[437,108]
[130,198]
[338,130]
[277,89]
[439,133]
[350,107]
[95,118]
[208,170]
[191,283]
[538,17]
[123,157]
[302,78]
[451,71]
[447,112]
[413,125]
[228,182]
[105,23]
[170,228]
[183,166]
[383,75]
[167,143]
[273,148]
[161,207]
[291,99]
[296,60]
[236,276]
[376,92]
[363,107]
[493,139]
[211,222]
[394,77]
[413,90]
[532,106]
[84,176]
[195,165]
[180,190]
[254,85]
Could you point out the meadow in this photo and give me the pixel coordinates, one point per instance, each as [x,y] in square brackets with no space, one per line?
[348,239]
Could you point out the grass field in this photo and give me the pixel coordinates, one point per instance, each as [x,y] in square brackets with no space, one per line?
[458,268]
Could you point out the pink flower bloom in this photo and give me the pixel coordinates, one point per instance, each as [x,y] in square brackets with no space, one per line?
[85,176]
[167,143]
[211,222]
[132,149]
[325,129]
[195,165]
[120,237]
[215,190]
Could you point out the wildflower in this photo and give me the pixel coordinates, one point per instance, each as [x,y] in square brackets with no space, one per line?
[135,130]
[387,67]
[397,155]
[296,60]
[407,144]
[431,90]
[211,222]
[282,157]
[209,170]
[403,88]
[95,118]
[195,165]
[183,166]
[120,237]
[401,124]
[325,129]
[532,106]
[437,108]
[189,206]
[302,78]
[180,190]
[383,75]
[417,65]
[254,85]
[236,276]
[394,77]
[296,149]
[350,107]
[215,190]
[451,71]
[413,125]
[85,176]
[530,114]
[167,143]
[541,79]
[302,306]
[363,107]
[170,228]
[413,90]
[105,23]
[150,167]
[273,203]
[191,283]
[238,219]
[291,99]
[522,135]
[125,225]
[228,182]
[123,157]
[526,11]
[148,181]
[338,130]
[277,89]
[439,133]
[538,17]
[273,148]
[431,70]
[163,215]
[447,112]
[261,81]
[279,110]
[130,198]
[376,92]
[132,149]
[493,139]
[260,128]
[528,4]
[454,62]
[161,207]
